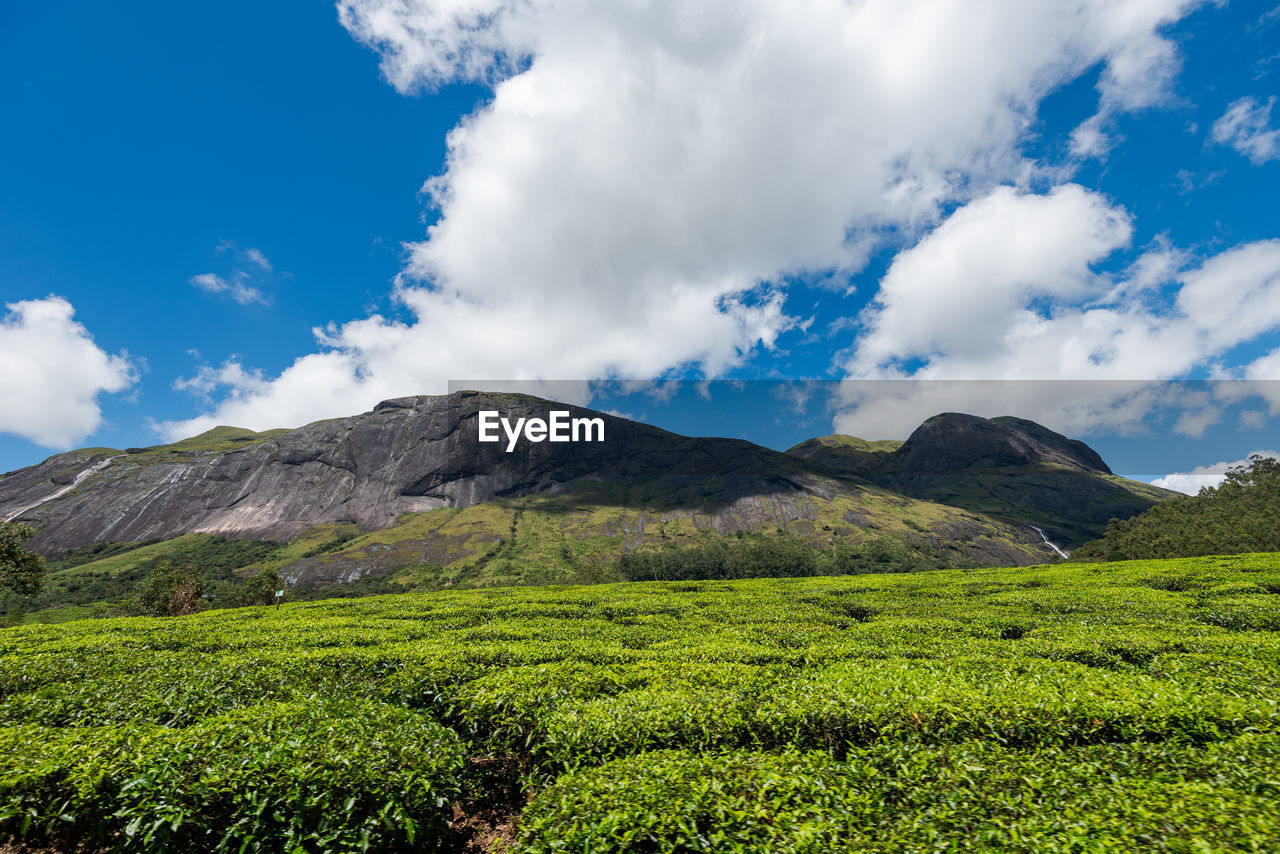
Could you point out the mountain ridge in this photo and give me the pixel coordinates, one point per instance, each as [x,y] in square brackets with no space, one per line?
[416,495]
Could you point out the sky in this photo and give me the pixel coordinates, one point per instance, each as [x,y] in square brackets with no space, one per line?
[264,214]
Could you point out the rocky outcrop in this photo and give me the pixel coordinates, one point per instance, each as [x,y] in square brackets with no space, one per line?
[407,455]
[1007,468]
[953,442]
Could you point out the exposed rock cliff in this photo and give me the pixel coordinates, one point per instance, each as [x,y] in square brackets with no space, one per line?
[407,455]
[953,442]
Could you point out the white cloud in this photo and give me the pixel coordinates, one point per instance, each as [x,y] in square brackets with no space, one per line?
[986,263]
[51,373]
[1234,296]
[1005,290]
[236,288]
[1246,127]
[1266,370]
[1191,482]
[250,265]
[1089,139]
[258,259]
[231,374]
[1140,67]
[1264,376]
[645,177]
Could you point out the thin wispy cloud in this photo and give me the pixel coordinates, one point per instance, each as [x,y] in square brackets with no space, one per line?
[236,288]
[243,283]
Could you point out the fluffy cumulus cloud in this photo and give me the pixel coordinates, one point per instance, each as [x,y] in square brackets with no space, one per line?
[1246,127]
[51,373]
[646,177]
[1191,482]
[1005,291]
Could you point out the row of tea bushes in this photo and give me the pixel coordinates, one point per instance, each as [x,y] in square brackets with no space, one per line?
[315,775]
[895,797]
[366,724]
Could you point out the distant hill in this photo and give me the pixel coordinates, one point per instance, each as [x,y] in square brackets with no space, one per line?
[1006,468]
[406,494]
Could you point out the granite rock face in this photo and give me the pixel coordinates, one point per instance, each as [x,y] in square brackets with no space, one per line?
[954,442]
[406,455]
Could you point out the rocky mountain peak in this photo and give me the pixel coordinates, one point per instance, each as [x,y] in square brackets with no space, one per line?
[953,441]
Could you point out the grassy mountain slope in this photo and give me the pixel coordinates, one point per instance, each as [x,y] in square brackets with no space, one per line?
[575,534]
[558,537]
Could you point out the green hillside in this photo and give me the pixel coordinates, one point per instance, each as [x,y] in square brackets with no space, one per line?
[572,536]
[1076,707]
[91,581]
[961,491]
[217,440]
[555,537]
[1240,515]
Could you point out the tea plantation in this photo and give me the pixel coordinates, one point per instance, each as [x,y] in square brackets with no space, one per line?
[1073,708]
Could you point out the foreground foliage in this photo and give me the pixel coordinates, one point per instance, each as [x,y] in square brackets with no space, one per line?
[1086,707]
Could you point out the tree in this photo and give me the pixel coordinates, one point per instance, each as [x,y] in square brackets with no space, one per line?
[1242,514]
[168,591]
[20,570]
[260,589]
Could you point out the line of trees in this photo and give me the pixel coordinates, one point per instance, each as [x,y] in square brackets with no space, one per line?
[1241,515]
[174,591]
[760,556]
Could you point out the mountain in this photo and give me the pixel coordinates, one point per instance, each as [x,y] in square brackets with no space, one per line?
[406,456]
[1007,468]
[408,492]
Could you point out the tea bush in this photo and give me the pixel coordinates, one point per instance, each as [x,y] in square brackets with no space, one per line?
[310,776]
[894,797]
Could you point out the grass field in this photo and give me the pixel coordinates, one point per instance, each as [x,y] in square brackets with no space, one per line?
[1078,707]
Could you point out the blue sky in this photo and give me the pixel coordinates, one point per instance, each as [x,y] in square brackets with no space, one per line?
[265,214]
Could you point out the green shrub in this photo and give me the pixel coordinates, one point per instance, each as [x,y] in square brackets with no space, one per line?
[309,776]
[893,798]
[167,591]
[260,589]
